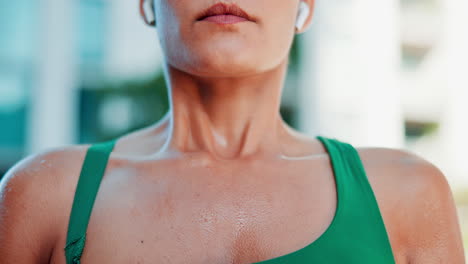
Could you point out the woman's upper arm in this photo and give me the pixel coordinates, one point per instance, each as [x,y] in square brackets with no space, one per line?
[26,222]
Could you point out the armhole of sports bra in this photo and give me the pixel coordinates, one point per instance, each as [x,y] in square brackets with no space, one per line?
[353,186]
[361,181]
[92,171]
[340,172]
[351,170]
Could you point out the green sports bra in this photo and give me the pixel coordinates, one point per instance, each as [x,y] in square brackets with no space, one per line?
[356,235]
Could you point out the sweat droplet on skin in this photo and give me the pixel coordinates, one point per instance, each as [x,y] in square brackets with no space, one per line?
[44,163]
[220,139]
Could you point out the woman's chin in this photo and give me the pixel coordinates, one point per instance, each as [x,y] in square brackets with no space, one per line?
[225,65]
[224,71]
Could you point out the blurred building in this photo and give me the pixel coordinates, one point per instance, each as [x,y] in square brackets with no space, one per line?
[18,33]
[350,76]
[435,83]
[52,53]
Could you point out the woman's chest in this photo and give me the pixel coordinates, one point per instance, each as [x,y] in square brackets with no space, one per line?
[189,216]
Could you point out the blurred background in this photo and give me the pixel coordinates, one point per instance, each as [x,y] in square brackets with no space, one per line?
[374,73]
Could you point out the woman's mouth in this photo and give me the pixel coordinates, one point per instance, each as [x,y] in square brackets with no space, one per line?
[222,13]
[224,19]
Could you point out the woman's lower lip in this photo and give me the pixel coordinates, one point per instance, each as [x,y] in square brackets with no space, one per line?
[225,19]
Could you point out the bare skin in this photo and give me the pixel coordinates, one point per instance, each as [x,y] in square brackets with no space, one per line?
[221,178]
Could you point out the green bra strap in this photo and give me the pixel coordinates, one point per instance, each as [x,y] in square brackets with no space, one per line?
[339,166]
[362,210]
[91,174]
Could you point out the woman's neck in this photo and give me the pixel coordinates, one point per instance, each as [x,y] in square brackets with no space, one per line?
[228,118]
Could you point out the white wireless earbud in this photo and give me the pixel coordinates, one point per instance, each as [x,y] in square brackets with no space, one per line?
[302,14]
[149,12]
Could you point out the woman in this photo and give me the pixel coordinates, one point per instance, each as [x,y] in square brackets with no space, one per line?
[221,178]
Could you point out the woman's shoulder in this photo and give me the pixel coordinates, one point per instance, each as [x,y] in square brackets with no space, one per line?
[35,195]
[407,179]
[403,168]
[48,165]
[48,176]
[416,203]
